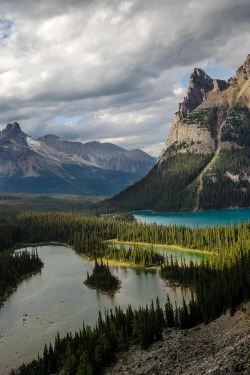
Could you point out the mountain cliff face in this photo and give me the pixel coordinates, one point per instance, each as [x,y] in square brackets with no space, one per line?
[52,165]
[205,163]
[202,123]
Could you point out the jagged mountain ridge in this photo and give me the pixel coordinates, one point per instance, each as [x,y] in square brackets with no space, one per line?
[103,155]
[49,164]
[205,162]
[17,158]
[208,104]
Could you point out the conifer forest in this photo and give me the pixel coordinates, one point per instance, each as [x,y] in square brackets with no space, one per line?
[219,283]
[102,278]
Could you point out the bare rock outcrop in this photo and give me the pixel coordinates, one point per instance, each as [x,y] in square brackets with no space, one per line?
[219,348]
[207,107]
[208,144]
[199,84]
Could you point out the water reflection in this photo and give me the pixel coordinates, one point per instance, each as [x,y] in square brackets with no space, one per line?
[56,299]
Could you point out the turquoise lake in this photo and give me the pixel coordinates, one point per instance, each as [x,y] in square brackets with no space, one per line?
[192,219]
[56,299]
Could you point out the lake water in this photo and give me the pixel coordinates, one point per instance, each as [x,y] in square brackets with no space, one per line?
[57,300]
[191,219]
[167,251]
[182,254]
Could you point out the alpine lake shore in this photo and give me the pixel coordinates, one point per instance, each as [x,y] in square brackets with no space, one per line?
[41,220]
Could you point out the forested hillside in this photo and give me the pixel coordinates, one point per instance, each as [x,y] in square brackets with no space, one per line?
[167,187]
[205,163]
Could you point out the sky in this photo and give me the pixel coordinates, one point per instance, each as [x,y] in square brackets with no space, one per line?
[112,70]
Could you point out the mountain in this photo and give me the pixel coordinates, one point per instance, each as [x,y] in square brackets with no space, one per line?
[51,165]
[102,155]
[205,163]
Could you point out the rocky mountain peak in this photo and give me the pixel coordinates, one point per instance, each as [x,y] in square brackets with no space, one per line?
[199,76]
[197,126]
[67,167]
[13,127]
[49,137]
[244,69]
[242,74]
[205,161]
[200,80]
[219,85]
[199,84]
[13,132]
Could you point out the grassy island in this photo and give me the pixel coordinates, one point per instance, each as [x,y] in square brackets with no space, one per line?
[102,279]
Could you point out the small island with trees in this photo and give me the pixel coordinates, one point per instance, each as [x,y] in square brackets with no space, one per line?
[102,279]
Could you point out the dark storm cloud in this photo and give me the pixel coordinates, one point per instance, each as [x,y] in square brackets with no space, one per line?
[111,69]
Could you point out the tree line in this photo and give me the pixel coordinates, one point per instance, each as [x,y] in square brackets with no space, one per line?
[135,255]
[102,278]
[13,267]
[87,234]
[91,349]
[218,284]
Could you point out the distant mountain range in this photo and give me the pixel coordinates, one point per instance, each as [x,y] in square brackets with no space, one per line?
[52,165]
[205,163]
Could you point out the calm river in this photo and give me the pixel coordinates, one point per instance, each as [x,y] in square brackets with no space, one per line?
[57,300]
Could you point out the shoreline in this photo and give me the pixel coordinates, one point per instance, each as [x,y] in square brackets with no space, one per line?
[169,247]
[12,289]
[117,263]
[110,293]
[179,212]
[112,262]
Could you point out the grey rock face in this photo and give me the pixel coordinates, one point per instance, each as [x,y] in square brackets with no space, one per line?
[102,155]
[244,69]
[23,156]
[220,347]
[199,84]
[206,110]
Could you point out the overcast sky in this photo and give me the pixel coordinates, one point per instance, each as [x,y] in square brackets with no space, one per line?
[112,71]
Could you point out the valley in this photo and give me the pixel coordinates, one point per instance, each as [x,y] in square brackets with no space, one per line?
[125,187]
[176,279]
[85,234]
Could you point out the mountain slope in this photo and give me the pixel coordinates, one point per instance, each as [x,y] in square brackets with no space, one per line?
[18,159]
[205,163]
[219,347]
[102,155]
[50,165]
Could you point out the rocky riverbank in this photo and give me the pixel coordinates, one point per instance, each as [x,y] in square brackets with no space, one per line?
[221,347]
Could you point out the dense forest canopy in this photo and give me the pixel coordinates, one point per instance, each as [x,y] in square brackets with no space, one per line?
[102,278]
[219,283]
[13,267]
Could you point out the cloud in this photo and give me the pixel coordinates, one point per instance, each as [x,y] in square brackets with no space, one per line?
[5,28]
[179,91]
[111,69]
